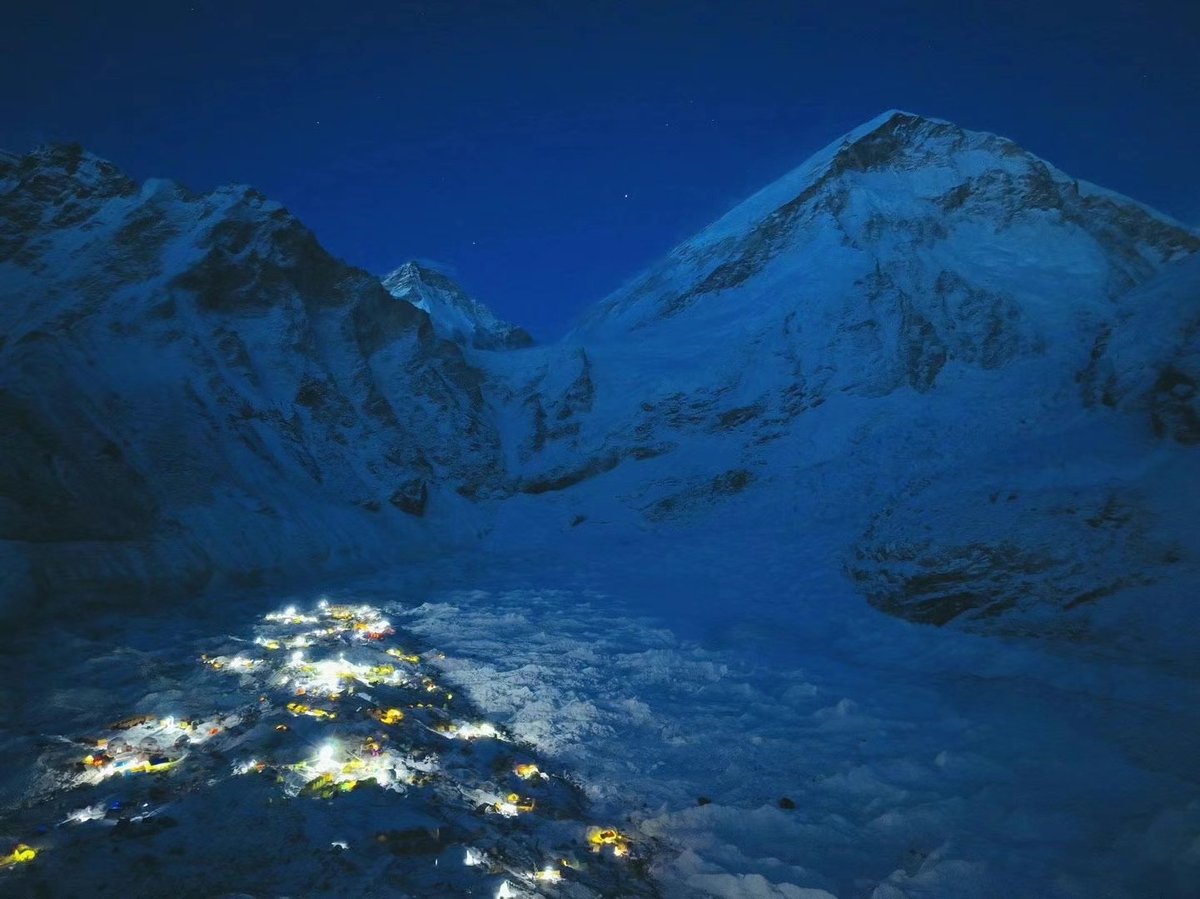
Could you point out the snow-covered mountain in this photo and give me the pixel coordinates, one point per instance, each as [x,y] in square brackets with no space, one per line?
[455,314]
[977,370]
[925,372]
[971,373]
[192,388]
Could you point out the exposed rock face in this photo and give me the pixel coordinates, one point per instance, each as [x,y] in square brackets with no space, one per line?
[1019,564]
[1175,404]
[455,315]
[699,495]
[190,386]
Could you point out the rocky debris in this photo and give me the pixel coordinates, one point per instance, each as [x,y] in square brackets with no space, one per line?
[600,463]
[411,497]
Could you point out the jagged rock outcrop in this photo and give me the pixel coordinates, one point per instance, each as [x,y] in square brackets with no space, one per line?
[1028,562]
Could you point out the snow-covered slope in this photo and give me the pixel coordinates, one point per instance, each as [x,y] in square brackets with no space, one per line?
[971,372]
[455,314]
[191,387]
[918,196]
[908,340]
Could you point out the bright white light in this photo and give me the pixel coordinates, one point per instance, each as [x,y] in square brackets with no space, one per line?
[88,813]
[340,844]
[328,675]
[297,658]
[323,604]
[289,616]
[475,731]
[327,757]
[474,857]
[245,767]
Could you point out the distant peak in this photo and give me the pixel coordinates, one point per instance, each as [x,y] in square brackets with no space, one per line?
[405,272]
[414,272]
[455,314]
[412,267]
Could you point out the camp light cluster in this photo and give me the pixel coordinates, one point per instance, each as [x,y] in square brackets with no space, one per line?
[328,704]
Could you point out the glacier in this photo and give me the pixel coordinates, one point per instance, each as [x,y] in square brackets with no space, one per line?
[848,550]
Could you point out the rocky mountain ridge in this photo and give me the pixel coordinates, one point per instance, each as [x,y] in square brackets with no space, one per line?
[193,388]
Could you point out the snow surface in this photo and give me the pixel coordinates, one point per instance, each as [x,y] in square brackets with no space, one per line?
[925,377]
[921,762]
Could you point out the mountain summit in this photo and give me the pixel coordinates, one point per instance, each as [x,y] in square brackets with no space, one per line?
[916,193]
[455,315]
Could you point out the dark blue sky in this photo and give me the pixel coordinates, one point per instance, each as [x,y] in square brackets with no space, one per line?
[548,151]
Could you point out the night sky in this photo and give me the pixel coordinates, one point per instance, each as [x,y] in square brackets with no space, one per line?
[545,152]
